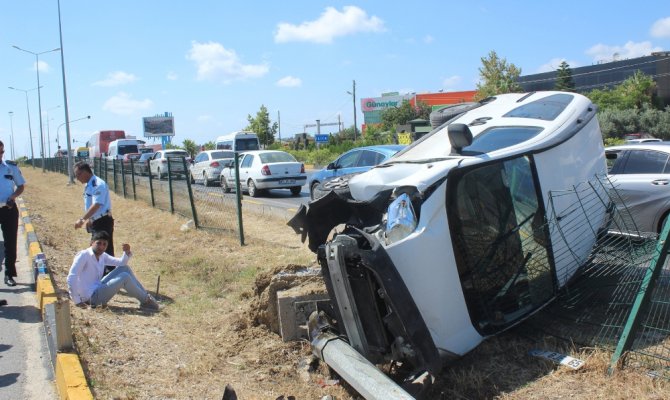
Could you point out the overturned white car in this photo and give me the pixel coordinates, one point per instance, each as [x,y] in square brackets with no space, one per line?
[446,243]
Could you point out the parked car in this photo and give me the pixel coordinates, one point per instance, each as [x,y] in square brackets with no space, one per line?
[645,140]
[352,162]
[126,160]
[641,175]
[158,165]
[447,243]
[208,164]
[265,169]
[141,166]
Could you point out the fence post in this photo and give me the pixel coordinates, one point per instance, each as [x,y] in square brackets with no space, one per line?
[169,185]
[123,178]
[151,185]
[132,177]
[238,195]
[190,196]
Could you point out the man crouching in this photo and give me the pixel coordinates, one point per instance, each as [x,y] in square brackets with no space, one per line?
[86,283]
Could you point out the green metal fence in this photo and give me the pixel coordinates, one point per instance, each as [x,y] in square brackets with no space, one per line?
[173,191]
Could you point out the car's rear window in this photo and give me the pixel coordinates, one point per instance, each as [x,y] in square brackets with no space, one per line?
[177,154]
[499,138]
[546,109]
[268,158]
[222,154]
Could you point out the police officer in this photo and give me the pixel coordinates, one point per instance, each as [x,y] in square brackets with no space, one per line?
[98,205]
[11,187]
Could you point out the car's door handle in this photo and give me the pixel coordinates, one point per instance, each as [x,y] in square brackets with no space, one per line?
[660,182]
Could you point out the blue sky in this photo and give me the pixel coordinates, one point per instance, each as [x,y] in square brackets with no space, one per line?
[211,63]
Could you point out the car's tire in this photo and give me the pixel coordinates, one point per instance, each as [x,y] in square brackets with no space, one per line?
[312,188]
[252,189]
[439,117]
[224,185]
[192,178]
[295,190]
[205,179]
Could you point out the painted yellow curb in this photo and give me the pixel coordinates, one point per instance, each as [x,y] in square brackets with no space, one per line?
[34,249]
[46,294]
[70,378]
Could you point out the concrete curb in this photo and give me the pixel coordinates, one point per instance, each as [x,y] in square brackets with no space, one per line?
[70,379]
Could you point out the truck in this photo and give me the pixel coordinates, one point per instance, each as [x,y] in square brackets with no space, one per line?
[99,141]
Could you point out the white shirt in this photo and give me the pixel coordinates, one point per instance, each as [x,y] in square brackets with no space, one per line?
[86,272]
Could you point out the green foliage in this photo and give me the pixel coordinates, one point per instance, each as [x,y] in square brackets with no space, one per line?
[635,92]
[564,81]
[190,147]
[209,145]
[613,141]
[394,116]
[497,77]
[263,126]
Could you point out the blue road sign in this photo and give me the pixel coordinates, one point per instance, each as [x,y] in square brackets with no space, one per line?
[321,138]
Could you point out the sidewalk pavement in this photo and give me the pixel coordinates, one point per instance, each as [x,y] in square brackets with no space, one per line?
[25,363]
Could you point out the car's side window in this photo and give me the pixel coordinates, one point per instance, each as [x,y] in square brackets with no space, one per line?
[348,160]
[367,159]
[246,163]
[645,162]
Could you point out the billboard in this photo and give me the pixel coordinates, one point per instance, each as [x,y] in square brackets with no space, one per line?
[384,102]
[158,126]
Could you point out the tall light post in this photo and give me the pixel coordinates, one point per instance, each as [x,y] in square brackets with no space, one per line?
[39,98]
[67,125]
[353,94]
[11,138]
[30,131]
[48,132]
[67,115]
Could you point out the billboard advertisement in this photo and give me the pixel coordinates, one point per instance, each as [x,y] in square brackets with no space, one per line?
[384,102]
[158,126]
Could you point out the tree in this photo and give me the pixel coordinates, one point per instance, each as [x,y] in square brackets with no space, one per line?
[262,126]
[497,77]
[392,117]
[190,147]
[564,81]
[636,92]
[209,145]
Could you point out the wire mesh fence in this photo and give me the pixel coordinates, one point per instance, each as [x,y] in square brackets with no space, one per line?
[620,298]
[166,185]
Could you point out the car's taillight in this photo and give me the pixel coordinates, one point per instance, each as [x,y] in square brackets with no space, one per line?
[265,170]
[302,168]
[163,161]
[215,164]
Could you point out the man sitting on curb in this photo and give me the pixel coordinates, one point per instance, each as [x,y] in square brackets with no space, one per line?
[86,283]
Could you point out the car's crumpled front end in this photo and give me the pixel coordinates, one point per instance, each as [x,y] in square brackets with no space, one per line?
[446,243]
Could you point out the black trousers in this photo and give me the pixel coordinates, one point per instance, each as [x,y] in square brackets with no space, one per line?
[9,222]
[105,224]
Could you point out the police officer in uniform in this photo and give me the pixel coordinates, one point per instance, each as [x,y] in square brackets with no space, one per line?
[97,204]
[11,187]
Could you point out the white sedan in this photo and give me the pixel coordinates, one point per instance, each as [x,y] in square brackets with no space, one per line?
[265,169]
[208,164]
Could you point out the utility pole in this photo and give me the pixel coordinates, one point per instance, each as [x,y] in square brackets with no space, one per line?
[279,127]
[353,94]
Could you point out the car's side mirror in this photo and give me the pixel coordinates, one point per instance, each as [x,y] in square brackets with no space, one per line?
[331,166]
[611,155]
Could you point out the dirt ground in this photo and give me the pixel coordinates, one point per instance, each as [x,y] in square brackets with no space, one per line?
[216,324]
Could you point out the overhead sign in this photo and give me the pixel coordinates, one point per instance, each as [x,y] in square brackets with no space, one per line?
[321,138]
[158,126]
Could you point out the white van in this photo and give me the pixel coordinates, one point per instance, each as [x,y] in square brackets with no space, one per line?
[238,141]
[119,147]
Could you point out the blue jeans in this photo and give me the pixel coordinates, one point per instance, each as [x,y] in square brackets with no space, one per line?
[120,277]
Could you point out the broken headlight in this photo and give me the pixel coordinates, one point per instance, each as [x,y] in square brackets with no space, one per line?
[400,219]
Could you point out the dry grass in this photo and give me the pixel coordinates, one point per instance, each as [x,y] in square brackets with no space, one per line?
[206,336]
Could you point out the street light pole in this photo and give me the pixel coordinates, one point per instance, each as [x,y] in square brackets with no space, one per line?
[11,138]
[39,97]
[353,94]
[48,130]
[30,131]
[67,115]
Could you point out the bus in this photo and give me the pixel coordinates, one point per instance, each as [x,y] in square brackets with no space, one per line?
[119,147]
[238,141]
[99,141]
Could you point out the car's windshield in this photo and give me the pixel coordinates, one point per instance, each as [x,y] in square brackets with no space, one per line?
[177,154]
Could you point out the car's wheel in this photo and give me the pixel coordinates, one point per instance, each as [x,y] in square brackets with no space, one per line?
[295,190]
[312,188]
[224,185]
[660,226]
[205,179]
[192,178]
[251,188]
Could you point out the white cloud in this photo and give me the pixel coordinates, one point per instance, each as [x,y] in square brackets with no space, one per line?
[43,67]
[171,76]
[428,39]
[451,82]
[330,25]
[216,63]
[552,65]
[124,104]
[601,52]
[116,78]
[661,28]
[289,81]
